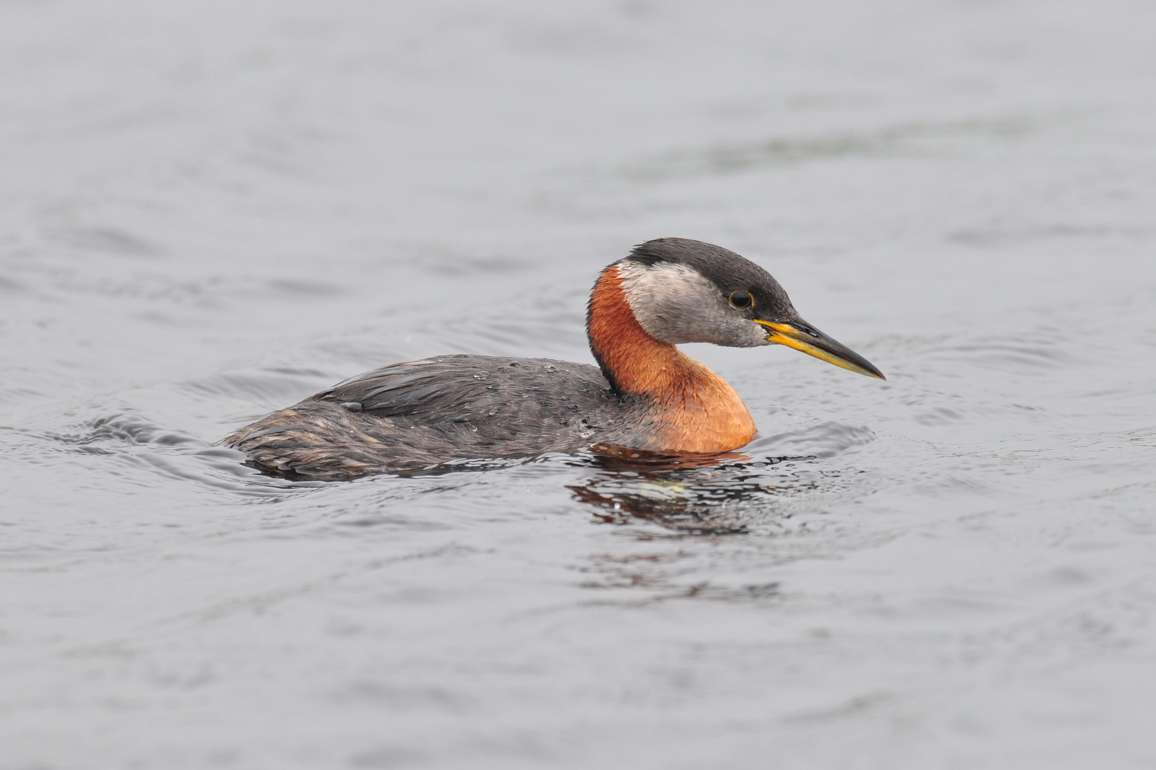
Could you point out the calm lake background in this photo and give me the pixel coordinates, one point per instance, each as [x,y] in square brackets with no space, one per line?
[210,210]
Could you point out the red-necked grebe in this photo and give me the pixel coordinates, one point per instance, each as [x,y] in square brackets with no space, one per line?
[643,395]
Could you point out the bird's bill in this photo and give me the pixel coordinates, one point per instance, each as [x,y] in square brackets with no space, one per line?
[806,339]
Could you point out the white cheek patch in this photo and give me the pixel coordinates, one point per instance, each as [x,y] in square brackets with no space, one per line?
[670,301]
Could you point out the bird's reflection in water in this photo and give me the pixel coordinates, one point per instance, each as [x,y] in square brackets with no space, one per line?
[690,509]
[687,494]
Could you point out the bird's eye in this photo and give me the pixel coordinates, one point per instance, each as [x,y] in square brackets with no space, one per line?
[741,299]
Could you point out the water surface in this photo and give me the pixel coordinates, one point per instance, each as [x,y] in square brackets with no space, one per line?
[212,210]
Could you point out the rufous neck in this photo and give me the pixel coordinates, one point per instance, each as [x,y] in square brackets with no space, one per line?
[633,361]
[696,410]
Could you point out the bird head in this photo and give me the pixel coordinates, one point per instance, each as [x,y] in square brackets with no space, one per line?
[681,290]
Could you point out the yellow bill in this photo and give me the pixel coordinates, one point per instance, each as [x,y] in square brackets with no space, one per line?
[806,339]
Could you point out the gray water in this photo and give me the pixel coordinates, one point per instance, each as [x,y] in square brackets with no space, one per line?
[211,210]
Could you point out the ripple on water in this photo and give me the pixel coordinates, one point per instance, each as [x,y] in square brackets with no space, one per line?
[938,416]
[827,439]
[906,138]
[1047,350]
[537,329]
[728,494]
[140,450]
[127,428]
[106,239]
[311,287]
[274,385]
[11,286]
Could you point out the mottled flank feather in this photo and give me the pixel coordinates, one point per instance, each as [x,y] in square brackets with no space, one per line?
[418,414]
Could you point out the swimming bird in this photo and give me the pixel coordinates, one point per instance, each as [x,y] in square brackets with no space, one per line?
[644,394]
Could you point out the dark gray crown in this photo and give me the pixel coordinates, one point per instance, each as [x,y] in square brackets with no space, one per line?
[724,268]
